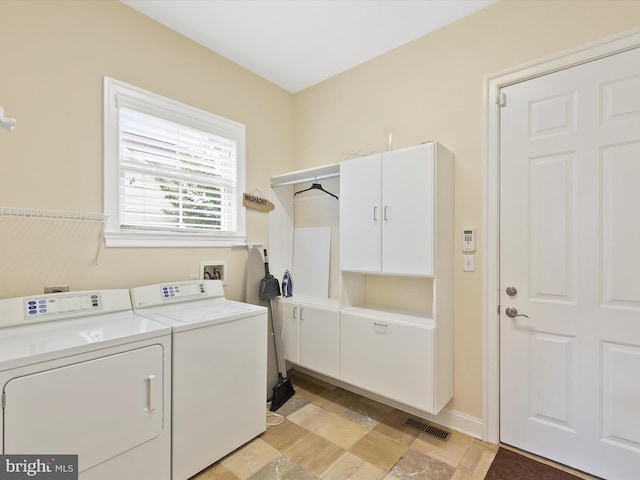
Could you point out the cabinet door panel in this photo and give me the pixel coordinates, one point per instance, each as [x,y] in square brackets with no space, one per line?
[407,210]
[319,331]
[391,359]
[360,214]
[290,331]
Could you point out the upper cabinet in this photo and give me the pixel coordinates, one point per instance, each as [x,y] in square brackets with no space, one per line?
[387,211]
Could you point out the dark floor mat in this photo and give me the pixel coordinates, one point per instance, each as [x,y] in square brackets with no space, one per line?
[509,465]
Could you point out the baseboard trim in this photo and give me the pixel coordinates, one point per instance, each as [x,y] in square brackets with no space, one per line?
[448,418]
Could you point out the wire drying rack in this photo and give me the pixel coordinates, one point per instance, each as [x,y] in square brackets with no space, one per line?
[58,215]
[28,213]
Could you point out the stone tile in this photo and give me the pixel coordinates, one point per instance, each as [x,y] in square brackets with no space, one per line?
[301,376]
[309,391]
[247,460]
[351,467]
[365,413]
[310,417]
[393,427]
[293,404]
[377,405]
[284,435]
[314,453]
[451,451]
[418,466]
[215,472]
[342,432]
[379,450]
[477,459]
[337,400]
[281,468]
[460,475]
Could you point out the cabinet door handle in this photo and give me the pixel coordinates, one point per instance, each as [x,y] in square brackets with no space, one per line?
[295,312]
[380,327]
[301,310]
[385,213]
[375,214]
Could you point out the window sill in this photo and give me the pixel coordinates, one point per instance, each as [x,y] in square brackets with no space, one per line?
[185,240]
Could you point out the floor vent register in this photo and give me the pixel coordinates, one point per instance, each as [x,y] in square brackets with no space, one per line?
[436,432]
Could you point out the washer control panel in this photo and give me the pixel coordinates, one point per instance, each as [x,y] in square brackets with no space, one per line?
[175,292]
[183,291]
[62,305]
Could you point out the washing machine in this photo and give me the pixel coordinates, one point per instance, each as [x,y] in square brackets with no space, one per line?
[219,365]
[81,374]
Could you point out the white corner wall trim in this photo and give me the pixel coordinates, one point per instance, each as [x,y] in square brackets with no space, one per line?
[491,132]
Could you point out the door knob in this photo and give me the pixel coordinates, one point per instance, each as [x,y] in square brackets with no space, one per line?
[513,313]
[511,291]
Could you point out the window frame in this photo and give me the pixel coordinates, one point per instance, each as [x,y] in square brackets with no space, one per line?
[116,91]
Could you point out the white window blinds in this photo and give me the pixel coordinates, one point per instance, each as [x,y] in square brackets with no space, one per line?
[173,177]
[173,174]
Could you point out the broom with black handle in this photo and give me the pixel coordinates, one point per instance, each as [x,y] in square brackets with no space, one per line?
[270,289]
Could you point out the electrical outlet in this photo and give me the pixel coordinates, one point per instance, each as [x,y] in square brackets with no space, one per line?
[56,289]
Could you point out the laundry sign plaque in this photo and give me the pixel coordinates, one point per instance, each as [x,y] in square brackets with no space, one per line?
[251,200]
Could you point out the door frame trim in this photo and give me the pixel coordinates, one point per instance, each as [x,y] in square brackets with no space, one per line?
[491,207]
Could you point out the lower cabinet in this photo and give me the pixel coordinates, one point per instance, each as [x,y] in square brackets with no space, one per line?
[388,357]
[391,355]
[311,336]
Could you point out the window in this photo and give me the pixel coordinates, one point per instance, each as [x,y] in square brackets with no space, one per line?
[173,174]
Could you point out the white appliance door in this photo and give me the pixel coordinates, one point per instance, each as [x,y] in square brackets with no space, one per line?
[96,409]
[569,235]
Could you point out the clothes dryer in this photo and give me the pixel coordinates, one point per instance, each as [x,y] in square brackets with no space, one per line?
[81,374]
[219,365]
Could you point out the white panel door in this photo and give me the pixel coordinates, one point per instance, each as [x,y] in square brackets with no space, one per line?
[569,236]
[407,211]
[360,214]
[96,409]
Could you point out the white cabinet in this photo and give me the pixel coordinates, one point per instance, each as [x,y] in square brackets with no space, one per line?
[388,356]
[396,219]
[360,187]
[311,335]
[387,211]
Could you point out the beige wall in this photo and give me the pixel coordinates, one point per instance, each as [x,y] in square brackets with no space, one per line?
[53,58]
[432,89]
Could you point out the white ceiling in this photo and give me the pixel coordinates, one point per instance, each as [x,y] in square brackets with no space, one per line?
[298,43]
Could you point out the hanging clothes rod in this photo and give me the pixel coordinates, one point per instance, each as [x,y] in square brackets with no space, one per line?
[28,213]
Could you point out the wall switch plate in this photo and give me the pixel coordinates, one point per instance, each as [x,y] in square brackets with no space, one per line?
[468,263]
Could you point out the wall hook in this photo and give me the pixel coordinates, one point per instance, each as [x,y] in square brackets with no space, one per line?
[8,123]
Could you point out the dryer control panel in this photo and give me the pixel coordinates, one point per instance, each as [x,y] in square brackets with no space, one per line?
[59,306]
[54,305]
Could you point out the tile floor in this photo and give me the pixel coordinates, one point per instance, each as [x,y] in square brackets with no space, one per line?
[331,434]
